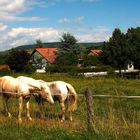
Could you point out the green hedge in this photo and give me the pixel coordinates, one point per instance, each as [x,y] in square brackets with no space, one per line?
[75,69]
[4,72]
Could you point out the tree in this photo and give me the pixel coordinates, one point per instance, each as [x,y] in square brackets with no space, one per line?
[3,58]
[90,60]
[116,51]
[68,50]
[18,59]
[133,38]
[39,43]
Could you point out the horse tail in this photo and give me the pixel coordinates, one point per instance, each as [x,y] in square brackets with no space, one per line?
[72,98]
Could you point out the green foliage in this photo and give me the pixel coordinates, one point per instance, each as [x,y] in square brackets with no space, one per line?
[39,43]
[5,72]
[122,49]
[29,68]
[90,60]
[17,59]
[62,69]
[68,50]
[133,37]
[74,70]
[68,59]
[115,52]
[3,58]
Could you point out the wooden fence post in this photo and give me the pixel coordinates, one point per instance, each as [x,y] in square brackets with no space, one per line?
[90,112]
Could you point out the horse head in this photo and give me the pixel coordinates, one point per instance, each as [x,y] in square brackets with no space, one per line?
[46,93]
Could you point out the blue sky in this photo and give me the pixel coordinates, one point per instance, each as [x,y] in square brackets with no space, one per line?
[24,21]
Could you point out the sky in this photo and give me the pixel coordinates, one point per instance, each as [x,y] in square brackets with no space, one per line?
[23,22]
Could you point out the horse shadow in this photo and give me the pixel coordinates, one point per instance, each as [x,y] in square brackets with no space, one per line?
[46,116]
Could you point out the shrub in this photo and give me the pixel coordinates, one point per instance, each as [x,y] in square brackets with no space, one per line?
[29,68]
[4,72]
[74,70]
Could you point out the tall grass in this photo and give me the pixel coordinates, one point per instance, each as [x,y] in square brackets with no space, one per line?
[113,118]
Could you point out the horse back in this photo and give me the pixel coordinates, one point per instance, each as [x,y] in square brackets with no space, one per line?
[8,84]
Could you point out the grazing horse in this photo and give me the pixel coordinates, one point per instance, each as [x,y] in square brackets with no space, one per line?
[12,87]
[62,91]
[40,85]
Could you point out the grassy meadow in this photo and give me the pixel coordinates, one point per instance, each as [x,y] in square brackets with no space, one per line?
[113,118]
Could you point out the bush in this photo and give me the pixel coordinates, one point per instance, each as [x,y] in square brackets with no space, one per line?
[74,70]
[29,69]
[4,72]
[132,74]
[110,71]
[61,69]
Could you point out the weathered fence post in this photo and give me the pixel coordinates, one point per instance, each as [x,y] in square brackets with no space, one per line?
[90,112]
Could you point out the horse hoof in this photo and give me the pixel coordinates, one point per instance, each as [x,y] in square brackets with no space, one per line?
[19,121]
[30,119]
[62,121]
[71,120]
[9,115]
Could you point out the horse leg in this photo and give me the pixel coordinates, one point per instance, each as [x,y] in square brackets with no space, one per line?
[40,105]
[28,110]
[63,111]
[5,98]
[70,115]
[20,108]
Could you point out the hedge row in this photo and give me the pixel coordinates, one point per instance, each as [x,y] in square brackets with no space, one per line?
[75,69]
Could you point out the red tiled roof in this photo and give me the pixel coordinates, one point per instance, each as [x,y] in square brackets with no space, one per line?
[48,53]
[95,52]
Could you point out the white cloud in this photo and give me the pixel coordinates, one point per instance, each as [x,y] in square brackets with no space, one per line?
[8,17]
[102,29]
[21,36]
[92,37]
[10,9]
[75,20]
[3,27]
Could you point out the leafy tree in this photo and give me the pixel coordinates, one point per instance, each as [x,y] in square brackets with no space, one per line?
[18,59]
[3,58]
[68,50]
[39,43]
[133,38]
[116,51]
[90,60]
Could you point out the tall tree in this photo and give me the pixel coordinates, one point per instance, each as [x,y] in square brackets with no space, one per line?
[116,51]
[133,38]
[39,43]
[18,59]
[68,50]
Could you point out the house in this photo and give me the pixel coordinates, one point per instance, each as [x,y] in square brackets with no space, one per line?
[95,52]
[41,57]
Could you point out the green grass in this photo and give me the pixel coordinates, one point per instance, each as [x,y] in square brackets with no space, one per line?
[113,118]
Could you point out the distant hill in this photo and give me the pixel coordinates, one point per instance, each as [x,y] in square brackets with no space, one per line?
[56,45]
[30,47]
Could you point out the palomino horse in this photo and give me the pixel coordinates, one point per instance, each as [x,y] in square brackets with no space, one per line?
[12,87]
[40,85]
[62,91]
